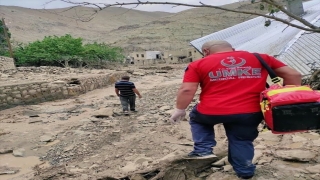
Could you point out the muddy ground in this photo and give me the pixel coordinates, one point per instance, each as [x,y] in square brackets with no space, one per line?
[87,137]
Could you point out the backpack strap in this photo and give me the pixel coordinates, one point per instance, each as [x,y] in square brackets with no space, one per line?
[274,78]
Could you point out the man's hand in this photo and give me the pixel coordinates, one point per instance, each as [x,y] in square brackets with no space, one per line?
[178,115]
[139,96]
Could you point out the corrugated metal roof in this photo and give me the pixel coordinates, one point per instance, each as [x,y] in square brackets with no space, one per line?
[303,49]
[253,36]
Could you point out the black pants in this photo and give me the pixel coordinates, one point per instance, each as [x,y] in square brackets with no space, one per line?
[127,101]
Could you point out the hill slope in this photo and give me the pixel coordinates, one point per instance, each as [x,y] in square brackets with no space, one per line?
[131,29]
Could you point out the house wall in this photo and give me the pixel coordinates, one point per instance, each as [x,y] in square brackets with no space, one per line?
[172,57]
[153,55]
[139,55]
[37,92]
[168,57]
[6,63]
[195,55]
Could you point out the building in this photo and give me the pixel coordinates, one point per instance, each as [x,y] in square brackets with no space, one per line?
[168,57]
[146,57]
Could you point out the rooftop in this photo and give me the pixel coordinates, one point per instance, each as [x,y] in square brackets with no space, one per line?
[253,36]
[304,48]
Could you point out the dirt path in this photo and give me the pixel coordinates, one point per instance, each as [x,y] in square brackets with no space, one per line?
[87,138]
[57,119]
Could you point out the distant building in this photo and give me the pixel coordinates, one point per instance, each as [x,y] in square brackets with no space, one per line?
[167,57]
[181,56]
[146,57]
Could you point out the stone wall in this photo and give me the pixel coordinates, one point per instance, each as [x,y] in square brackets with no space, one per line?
[6,63]
[37,92]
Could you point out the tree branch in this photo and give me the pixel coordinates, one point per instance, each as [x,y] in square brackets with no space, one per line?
[281,8]
[310,27]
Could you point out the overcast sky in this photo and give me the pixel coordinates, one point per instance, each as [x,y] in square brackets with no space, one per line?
[40,4]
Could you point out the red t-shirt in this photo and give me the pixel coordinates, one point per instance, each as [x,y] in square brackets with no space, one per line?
[231,82]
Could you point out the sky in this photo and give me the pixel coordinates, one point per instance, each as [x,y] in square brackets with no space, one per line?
[40,4]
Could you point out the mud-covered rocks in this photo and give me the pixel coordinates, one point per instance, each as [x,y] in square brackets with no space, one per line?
[298,155]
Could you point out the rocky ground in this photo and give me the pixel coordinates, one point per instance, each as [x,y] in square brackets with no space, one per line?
[88,138]
[48,73]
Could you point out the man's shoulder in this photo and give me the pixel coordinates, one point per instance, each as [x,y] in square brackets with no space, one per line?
[125,82]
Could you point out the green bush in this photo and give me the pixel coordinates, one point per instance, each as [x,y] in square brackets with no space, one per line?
[65,50]
[3,42]
[102,52]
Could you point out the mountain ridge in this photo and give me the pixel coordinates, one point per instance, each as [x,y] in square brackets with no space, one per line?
[128,28]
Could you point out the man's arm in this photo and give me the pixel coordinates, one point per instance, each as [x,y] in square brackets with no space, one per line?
[188,88]
[186,94]
[290,76]
[135,90]
[117,91]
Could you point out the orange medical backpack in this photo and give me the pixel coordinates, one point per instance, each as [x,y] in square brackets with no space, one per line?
[289,109]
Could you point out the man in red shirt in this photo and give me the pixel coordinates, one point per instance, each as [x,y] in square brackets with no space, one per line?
[231,82]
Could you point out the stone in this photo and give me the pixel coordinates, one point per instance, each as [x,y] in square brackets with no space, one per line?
[297,175]
[221,162]
[296,138]
[170,157]
[215,169]
[268,136]
[138,73]
[260,146]
[265,160]
[316,142]
[31,113]
[227,168]
[32,91]
[59,82]
[257,155]
[68,148]
[137,177]
[4,75]
[296,145]
[298,155]
[94,166]
[130,166]
[8,170]
[314,169]
[19,152]
[165,108]
[103,112]
[76,170]
[34,121]
[315,176]
[6,150]
[169,111]
[46,138]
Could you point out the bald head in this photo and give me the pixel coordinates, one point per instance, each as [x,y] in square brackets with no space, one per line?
[212,47]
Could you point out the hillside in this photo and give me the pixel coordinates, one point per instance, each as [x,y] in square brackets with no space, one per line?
[131,29]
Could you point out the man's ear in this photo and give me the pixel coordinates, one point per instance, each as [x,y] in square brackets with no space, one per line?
[204,52]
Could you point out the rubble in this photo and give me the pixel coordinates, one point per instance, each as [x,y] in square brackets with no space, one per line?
[95,140]
[19,152]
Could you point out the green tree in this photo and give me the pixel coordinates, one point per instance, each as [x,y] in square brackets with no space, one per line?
[3,42]
[50,51]
[99,53]
[60,51]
